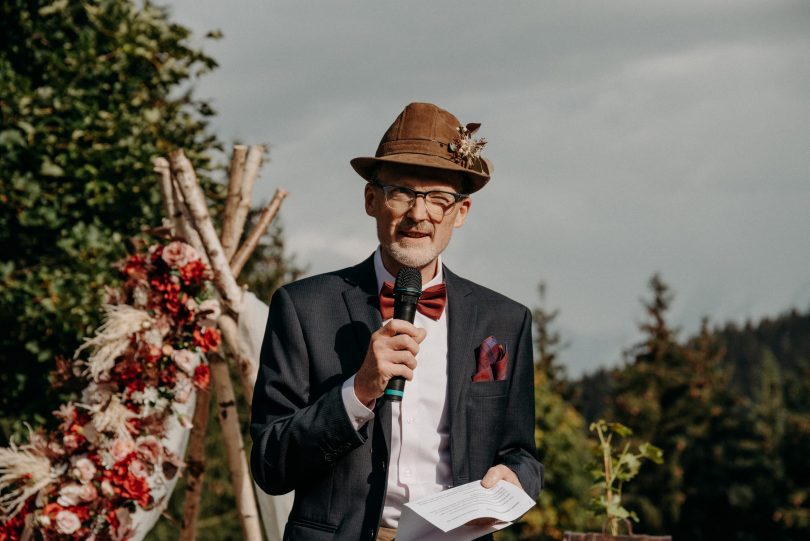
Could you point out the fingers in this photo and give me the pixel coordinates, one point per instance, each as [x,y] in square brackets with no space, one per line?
[398,326]
[498,473]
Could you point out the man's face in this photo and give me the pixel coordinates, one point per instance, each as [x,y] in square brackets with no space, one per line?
[414,237]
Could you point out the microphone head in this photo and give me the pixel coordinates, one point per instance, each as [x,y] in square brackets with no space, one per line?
[409,280]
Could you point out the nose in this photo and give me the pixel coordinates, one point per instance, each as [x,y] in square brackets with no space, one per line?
[418,211]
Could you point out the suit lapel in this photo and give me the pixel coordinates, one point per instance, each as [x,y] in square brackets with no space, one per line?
[462,317]
[363,305]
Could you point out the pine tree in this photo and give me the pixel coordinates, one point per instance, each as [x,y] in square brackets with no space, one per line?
[561,438]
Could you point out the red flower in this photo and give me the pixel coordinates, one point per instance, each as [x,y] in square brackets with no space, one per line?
[137,489]
[126,484]
[133,267]
[202,377]
[207,338]
[193,272]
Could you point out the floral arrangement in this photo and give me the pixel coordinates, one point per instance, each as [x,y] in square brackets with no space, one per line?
[465,150]
[107,460]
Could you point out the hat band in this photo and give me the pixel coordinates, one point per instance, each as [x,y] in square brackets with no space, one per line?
[415,146]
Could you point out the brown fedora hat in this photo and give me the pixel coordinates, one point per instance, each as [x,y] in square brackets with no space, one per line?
[424,135]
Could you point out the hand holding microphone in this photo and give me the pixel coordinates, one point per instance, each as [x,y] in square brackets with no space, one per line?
[391,356]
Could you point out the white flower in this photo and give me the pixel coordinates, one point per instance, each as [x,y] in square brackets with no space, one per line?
[140,297]
[67,522]
[84,470]
[107,488]
[183,388]
[121,448]
[185,360]
[69,494]
[154,337]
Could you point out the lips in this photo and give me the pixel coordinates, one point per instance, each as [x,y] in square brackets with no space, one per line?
[414,234]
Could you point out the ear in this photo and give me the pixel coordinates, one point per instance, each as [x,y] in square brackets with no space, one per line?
[370,196]
[463,209]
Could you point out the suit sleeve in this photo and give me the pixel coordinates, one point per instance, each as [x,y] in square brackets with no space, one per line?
[518,450]
[296,437]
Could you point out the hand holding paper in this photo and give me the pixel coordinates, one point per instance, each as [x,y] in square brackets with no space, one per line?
[445,516]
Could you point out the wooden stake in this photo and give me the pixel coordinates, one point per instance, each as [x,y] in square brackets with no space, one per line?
[247,366]
[161,167]
[268,215]
[195,467]
[183,173]
[235,174]
[237,225]
[235,449]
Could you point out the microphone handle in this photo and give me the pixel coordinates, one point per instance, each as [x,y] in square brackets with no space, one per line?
[404,309]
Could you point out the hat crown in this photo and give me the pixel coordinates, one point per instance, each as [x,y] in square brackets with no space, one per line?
[426,136]
[421,122]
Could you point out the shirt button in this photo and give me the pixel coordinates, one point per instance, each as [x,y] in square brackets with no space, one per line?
[409,420]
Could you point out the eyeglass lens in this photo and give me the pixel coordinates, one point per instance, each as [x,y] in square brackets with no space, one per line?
[401,199]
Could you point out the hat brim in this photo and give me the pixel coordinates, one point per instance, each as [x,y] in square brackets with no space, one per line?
[365,167]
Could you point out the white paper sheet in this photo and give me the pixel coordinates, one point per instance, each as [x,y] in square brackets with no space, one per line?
[444,516]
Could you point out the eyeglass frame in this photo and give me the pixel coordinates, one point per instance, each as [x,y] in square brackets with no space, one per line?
[416,193]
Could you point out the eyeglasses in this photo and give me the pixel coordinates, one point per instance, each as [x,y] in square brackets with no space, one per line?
[437,202]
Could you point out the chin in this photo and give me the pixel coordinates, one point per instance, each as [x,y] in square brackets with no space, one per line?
[410,256]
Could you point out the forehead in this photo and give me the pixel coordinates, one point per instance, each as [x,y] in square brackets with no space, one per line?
[420,178]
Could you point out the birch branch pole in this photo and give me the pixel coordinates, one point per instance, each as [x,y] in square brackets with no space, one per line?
[190,217]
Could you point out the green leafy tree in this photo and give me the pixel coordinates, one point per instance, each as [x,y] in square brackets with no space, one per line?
[90,93]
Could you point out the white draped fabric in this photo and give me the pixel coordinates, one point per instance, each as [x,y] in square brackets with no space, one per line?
[252,322]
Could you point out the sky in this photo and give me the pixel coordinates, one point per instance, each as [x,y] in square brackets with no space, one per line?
[628,138]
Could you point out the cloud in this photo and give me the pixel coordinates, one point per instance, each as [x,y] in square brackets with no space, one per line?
[628,137]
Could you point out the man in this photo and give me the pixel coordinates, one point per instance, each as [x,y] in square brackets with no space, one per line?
[320,425]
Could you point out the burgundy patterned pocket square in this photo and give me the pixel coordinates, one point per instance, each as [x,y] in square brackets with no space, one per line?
[492,361]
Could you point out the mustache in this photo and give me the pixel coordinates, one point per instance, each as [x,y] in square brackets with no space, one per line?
[414,227]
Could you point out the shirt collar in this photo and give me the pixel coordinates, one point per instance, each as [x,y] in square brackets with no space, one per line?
[384,276]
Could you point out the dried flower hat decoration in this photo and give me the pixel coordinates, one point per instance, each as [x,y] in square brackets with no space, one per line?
[465,150]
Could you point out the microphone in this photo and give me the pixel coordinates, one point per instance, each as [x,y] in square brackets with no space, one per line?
[407,290]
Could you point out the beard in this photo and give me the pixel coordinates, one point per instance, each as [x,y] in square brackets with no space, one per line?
[411,256]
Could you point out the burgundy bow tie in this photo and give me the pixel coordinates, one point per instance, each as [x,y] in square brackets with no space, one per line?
[431,303]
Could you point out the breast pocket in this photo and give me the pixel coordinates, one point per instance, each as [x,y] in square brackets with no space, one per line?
[488,389]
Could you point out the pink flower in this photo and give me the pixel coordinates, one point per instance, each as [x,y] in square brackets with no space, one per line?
[138,469]
[185,360]
[149,449]
[67,522]
[88,493]
[178,254]
[121,448]
[84,470]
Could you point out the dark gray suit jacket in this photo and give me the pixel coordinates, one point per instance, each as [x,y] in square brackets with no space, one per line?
[317,335]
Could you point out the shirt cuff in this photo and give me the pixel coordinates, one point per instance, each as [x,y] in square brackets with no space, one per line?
[359,414]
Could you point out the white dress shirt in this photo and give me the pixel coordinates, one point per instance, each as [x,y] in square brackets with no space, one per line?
[419,464]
